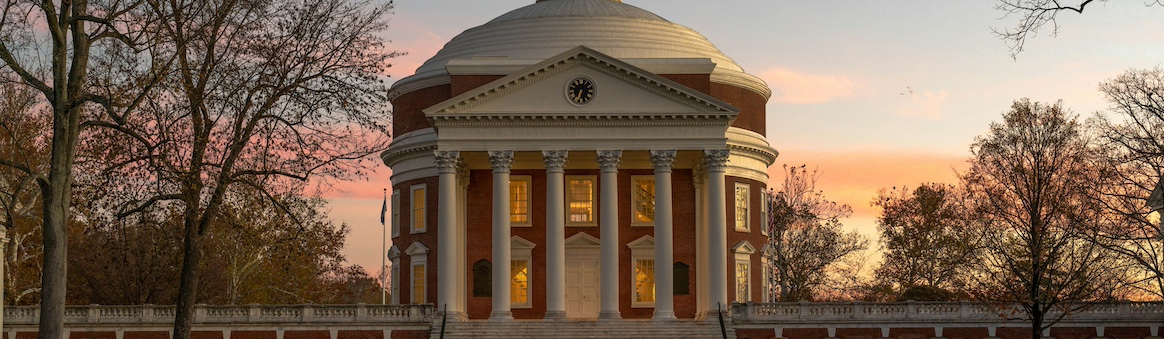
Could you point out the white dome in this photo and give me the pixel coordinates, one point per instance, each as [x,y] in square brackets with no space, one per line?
[549,27]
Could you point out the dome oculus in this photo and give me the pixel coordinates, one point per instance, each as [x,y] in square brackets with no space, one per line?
[581,91]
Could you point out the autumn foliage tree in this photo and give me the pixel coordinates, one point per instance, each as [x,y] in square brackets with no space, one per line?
[1132,137]
[264,97]
[927,240]
[1031,180]
[806,236]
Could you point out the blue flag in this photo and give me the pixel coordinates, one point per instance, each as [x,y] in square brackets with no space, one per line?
[384,209]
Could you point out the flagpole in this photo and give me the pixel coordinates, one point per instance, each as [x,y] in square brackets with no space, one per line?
[383,254]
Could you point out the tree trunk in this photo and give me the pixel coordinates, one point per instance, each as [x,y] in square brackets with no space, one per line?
[57,194]
[188,288]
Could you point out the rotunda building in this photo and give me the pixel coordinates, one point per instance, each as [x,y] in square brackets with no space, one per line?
[578,159]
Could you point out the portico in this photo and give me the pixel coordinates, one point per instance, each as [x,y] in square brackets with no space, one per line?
[605,188]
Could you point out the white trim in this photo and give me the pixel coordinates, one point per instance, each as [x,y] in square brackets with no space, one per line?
[764,200]
[528,200]
[641,249]
[418,254]
[522,250]
[635,200]
[593,201]
[394,279]
[747,227]
[395,213]
[412,229]
[743,255]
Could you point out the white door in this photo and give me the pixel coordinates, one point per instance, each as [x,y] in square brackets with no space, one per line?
[581,288]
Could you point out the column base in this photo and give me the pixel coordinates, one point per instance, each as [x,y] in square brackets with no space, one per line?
[663,316]
[555,316]
[609,315]
[501,316]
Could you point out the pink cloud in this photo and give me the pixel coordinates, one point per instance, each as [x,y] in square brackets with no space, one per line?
[791,87]
[415,39]
[854,177]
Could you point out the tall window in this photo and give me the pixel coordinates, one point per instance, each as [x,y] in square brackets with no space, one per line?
[395,213]
[580,200]
[395,289]
[519,282]
[742,203]
[743,276]
[765,199]
[519,205]
[642,272]
[418,284]
[644,281]
[643,200]
[418,209]
[520,271]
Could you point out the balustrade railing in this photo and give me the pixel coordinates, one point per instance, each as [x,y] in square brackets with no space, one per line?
[939,312]
[206,314]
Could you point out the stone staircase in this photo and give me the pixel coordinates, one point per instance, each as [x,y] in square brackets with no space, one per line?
[620,329]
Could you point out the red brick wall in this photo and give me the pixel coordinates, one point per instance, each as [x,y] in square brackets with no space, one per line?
[965,333]
[93,335]
[318,334]
[754,237]
[147,335]
[407,109]
[428,238]
[698,82]
[465,83]
[751,104]
[348,334]
[410,334]
[911,333]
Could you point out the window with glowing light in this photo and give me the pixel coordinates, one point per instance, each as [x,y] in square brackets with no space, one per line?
[643,200]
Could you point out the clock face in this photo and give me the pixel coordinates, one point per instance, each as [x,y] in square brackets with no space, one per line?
[580,91]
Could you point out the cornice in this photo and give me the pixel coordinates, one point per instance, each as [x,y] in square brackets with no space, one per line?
[574,58]
[579,120]
[742,80]
[417,82]
[767,156]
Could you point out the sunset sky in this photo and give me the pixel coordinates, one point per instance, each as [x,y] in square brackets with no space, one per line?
[874,93]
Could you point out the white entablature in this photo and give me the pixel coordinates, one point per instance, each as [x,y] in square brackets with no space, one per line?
[631,109]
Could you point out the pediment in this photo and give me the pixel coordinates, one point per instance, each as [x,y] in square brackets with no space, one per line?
[519,243]
[393,253]
[582,240]
[621,89]
[417,248]
[645,242]
[743,247]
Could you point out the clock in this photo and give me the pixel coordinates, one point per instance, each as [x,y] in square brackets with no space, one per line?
[581,91]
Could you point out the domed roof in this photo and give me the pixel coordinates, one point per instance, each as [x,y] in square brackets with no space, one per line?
[549,27]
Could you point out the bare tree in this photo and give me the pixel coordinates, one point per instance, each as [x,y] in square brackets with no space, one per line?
[265,96]
[804,231]
[927,241]
[22,141]
[1035,15]
[1133,138]
[1031,179]
[83,38]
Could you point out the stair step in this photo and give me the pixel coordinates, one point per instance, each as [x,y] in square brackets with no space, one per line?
[582,329]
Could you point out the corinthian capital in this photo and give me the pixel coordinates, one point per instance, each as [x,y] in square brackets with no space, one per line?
[501,160]
[716,159]
[447,161]
[555,160]
[663,159]
[608,159]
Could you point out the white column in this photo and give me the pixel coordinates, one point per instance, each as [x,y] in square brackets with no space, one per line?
[555,234]
[446,162]
[608,222]
[462,230]
[501,160]
[664,238]
[715,161]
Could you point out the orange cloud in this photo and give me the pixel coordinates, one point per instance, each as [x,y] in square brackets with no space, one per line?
[854,177]
[796,88]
